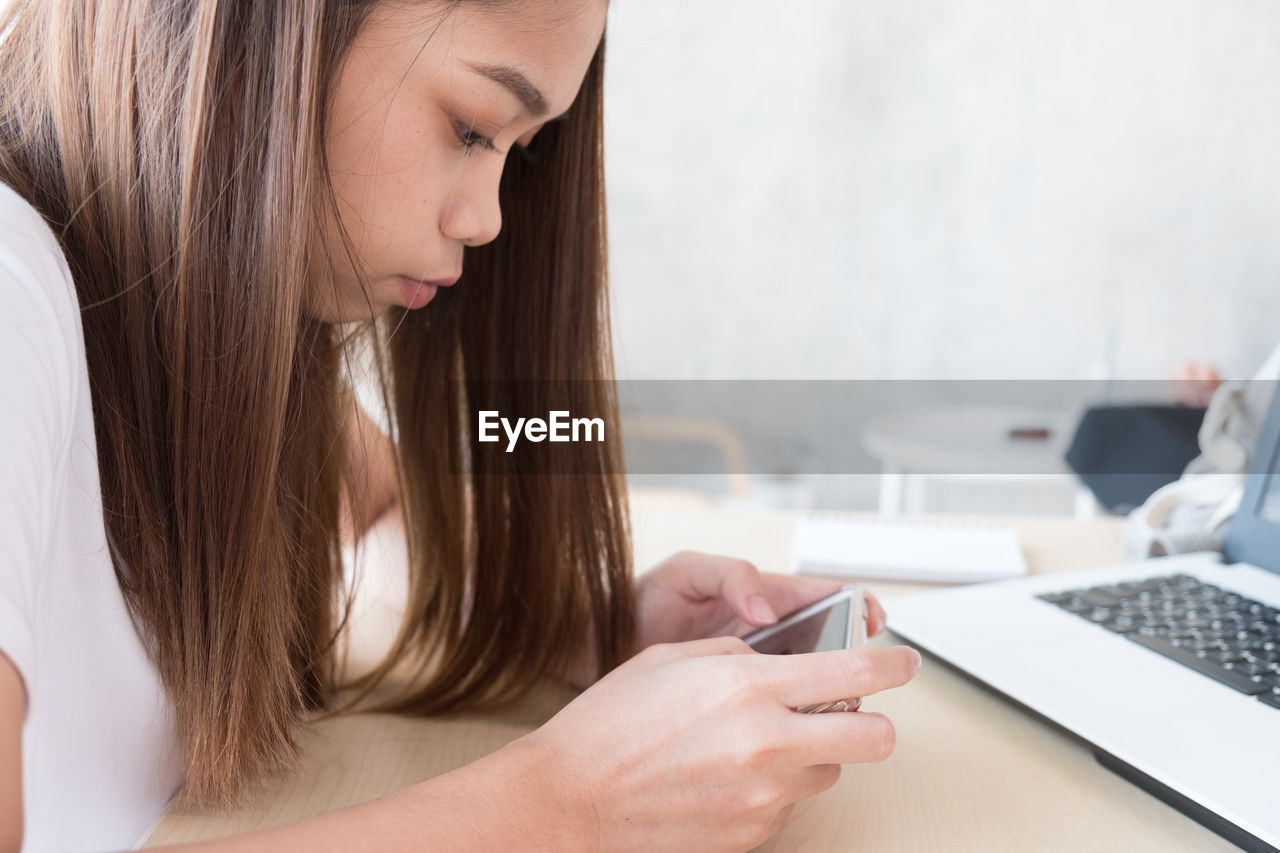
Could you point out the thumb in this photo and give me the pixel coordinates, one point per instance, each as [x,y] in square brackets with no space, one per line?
[736,582]
[742,588]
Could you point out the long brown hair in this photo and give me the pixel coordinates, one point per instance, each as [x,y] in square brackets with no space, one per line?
[176,149]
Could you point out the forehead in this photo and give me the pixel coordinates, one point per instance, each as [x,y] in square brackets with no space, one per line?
[549,42]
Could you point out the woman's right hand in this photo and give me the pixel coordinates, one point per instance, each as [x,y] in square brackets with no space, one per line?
[696,745]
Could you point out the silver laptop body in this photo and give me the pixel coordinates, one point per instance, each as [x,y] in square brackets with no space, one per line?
[1084,650]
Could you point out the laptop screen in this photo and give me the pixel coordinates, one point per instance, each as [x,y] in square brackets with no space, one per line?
[1254,535]
[1269,508]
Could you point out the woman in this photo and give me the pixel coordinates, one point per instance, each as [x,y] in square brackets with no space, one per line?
[198,195]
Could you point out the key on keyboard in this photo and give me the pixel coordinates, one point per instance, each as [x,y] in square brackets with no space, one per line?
[1231,639]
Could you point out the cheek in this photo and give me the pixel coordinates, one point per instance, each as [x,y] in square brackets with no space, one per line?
[392,179]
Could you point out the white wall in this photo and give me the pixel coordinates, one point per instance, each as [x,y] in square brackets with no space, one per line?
[943,188]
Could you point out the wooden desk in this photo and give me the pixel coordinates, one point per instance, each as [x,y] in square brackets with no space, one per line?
[970,771]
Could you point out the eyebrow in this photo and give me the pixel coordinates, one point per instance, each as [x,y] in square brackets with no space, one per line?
[515,83]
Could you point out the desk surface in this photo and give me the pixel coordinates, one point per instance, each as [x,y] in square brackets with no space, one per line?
[970,771]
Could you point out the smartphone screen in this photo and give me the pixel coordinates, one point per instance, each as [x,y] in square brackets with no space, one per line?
[834,622]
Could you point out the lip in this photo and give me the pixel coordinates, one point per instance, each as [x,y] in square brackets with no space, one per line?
[417,293]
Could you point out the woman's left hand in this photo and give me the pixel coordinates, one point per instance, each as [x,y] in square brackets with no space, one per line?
[690,595]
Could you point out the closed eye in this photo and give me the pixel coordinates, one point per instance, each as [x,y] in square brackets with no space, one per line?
[470,139]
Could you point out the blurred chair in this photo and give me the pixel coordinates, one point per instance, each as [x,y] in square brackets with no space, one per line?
[680,460]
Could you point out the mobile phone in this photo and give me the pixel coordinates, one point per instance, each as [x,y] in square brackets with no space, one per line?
[838,621]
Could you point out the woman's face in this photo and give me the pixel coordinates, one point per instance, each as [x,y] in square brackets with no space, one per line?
[423,113]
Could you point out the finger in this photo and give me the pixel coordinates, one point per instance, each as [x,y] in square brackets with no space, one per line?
[822,676]
[877,619]
[735,581]
[844,738]
[660,654]
[789,593]
[818,778]
[710,646]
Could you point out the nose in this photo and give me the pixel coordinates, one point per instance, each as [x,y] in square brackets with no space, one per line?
[472,215]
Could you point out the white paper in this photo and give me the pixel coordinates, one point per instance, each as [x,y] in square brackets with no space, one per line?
[907,550]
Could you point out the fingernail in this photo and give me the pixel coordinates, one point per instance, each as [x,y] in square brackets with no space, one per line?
[760,610]
[919,660]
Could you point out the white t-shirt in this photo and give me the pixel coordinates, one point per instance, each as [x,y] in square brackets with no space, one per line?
[99,753]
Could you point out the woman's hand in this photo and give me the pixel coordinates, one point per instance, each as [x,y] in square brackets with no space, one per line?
[696,746]
[690,596]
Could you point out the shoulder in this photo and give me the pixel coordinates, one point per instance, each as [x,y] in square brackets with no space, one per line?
[41,382]
[42,370]
[35,281]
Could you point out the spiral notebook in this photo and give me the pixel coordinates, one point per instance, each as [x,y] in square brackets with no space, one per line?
[907,550]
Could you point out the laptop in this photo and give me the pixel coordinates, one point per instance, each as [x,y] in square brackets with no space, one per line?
[1169,668]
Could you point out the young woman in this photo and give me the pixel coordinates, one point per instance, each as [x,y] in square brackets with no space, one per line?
[199,198]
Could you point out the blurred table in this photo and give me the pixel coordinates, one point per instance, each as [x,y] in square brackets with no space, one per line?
[971,443]
[970,772]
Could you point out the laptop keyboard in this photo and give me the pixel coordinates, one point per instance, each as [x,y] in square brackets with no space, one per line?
[1221,634]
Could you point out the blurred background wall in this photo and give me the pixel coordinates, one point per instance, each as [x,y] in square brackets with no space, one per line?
[944,189]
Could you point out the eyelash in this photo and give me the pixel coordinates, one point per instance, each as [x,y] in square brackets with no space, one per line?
[470,139]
